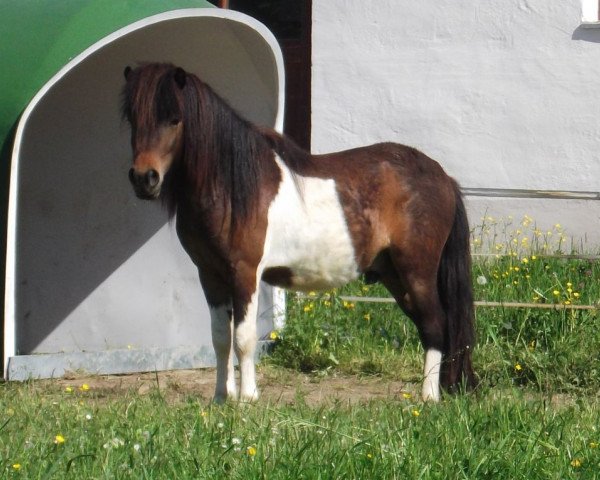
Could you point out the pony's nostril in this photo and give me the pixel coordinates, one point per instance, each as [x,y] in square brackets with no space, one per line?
[152,178]
[132,176]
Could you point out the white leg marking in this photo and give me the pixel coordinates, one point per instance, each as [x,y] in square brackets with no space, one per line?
[431,372]
[222,329]
[245,346]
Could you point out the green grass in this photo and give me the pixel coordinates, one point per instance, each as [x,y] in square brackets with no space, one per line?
[535,416]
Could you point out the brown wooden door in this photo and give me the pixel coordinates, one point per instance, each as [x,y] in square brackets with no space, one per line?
[290,22]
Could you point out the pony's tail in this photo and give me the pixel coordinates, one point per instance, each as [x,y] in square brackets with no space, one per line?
[456,295]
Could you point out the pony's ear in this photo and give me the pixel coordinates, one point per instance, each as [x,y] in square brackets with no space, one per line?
[180,77]
[127,72]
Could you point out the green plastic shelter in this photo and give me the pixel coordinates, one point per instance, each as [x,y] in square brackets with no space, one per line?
[96,279]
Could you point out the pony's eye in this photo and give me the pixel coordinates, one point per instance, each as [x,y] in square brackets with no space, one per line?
[175,121]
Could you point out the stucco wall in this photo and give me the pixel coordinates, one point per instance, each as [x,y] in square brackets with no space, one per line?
[503,93]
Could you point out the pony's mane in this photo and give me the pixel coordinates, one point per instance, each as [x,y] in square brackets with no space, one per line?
[223,154]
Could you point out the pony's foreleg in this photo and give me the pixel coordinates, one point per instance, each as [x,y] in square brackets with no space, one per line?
[222,337]
[245,346]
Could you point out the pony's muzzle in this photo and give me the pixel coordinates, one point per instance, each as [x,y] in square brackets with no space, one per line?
[146,185]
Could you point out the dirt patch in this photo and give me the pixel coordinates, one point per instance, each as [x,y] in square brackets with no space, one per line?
[275,386]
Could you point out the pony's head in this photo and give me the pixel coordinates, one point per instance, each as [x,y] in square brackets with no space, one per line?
[153,105]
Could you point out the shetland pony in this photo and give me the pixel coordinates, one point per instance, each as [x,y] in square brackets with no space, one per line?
[250,205]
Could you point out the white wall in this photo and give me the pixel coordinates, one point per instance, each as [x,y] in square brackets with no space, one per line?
[503,93]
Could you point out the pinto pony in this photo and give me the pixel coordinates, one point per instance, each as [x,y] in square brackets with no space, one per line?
[253,205]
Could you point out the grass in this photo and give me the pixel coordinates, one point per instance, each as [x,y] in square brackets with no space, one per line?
[536,415]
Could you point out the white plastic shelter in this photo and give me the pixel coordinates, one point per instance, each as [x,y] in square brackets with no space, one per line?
[96,279]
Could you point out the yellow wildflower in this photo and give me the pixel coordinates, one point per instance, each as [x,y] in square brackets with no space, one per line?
[525,260]
[556,293]
[518,367]
[84,388]
[576,463]
[367,316]
[16,466]
[533,257]
[69,389]
[406,395]
[576,294]
[348,305]
[59,439]
[273,335]
[251,451]
[312,294]
[415,413]
[594,444]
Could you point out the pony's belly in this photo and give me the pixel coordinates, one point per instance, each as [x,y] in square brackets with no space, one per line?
[309,277]
[308,245]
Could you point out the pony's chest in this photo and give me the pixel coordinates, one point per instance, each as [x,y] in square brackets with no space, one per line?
[308,243]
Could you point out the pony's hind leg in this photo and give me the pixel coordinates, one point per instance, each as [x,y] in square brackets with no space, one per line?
[222,338]
[415,290]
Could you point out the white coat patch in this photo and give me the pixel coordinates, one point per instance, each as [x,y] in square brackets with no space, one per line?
[307,233]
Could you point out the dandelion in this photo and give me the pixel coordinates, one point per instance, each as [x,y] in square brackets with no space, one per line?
[251,451]
[556,293]
[59,439]
[415,413]
[327,303]
[406,395]
[594,444]
[10,412]
[516,269]
[533,257]
[518,367]
[369,455]
[348,305]
[84,388]
[69,389]
[576,463]
[525,260]
[88,416]
[481,280]
[16,467]
[308,308]
[576,294]
[204,413]
[365,288]
[312,294]
[367,317]
[273,335]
